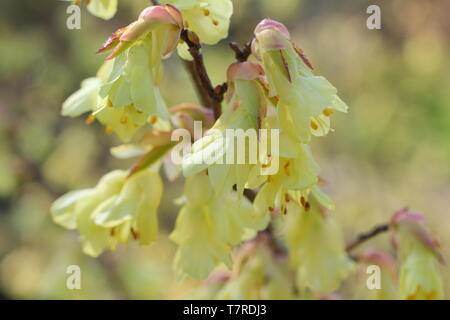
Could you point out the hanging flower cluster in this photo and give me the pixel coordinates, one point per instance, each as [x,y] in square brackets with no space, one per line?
[419,255]
[236,190]
[117,209]
[125,93]
[207,227]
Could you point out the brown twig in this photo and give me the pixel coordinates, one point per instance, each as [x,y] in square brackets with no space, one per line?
[241,54]
[211,97]
[363,237]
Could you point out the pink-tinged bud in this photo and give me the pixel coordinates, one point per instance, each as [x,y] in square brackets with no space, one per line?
[244,71]
[404,215]
[150,18]
[414,224]
[136,30]
[112,41]
[269,39]
[184,114]
[176,15]
[162,15]
[268,24]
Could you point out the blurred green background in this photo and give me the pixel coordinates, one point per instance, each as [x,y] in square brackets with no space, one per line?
[390,151]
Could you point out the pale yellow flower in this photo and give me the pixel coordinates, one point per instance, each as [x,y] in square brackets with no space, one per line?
[105,9]
[419,255]
[208,226]
[316,248]
[209,19]
[117,209]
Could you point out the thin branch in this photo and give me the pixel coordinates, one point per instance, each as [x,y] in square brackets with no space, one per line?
[363,237]
[241,54]
[211,97]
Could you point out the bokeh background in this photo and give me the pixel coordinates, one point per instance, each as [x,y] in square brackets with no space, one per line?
[390,151]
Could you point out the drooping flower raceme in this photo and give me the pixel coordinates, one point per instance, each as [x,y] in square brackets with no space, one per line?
[138,50]
[305,101]
[123,121]
[120,207]
[207,227]
[125,93]
[419,255]
[229,150]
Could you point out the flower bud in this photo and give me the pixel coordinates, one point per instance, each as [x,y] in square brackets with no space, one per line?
[150,19]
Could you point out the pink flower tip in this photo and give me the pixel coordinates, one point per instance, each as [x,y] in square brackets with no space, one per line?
[267,24]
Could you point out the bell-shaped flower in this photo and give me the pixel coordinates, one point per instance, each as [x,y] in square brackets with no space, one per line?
[105,9]
[419,255]
[208,226]
[209,19]
[230,148]
[316,248]
[132,83]
[305,101]
[123,121]
[120,207]
[162,24]
[84,100]
[298,171]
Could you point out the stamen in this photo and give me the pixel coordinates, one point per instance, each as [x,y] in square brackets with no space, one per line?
[153,119]
[286,197]
[286,168]
[302,201]
[307,206]
[135,234]
[90,119]
[328,112]
[108,130]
